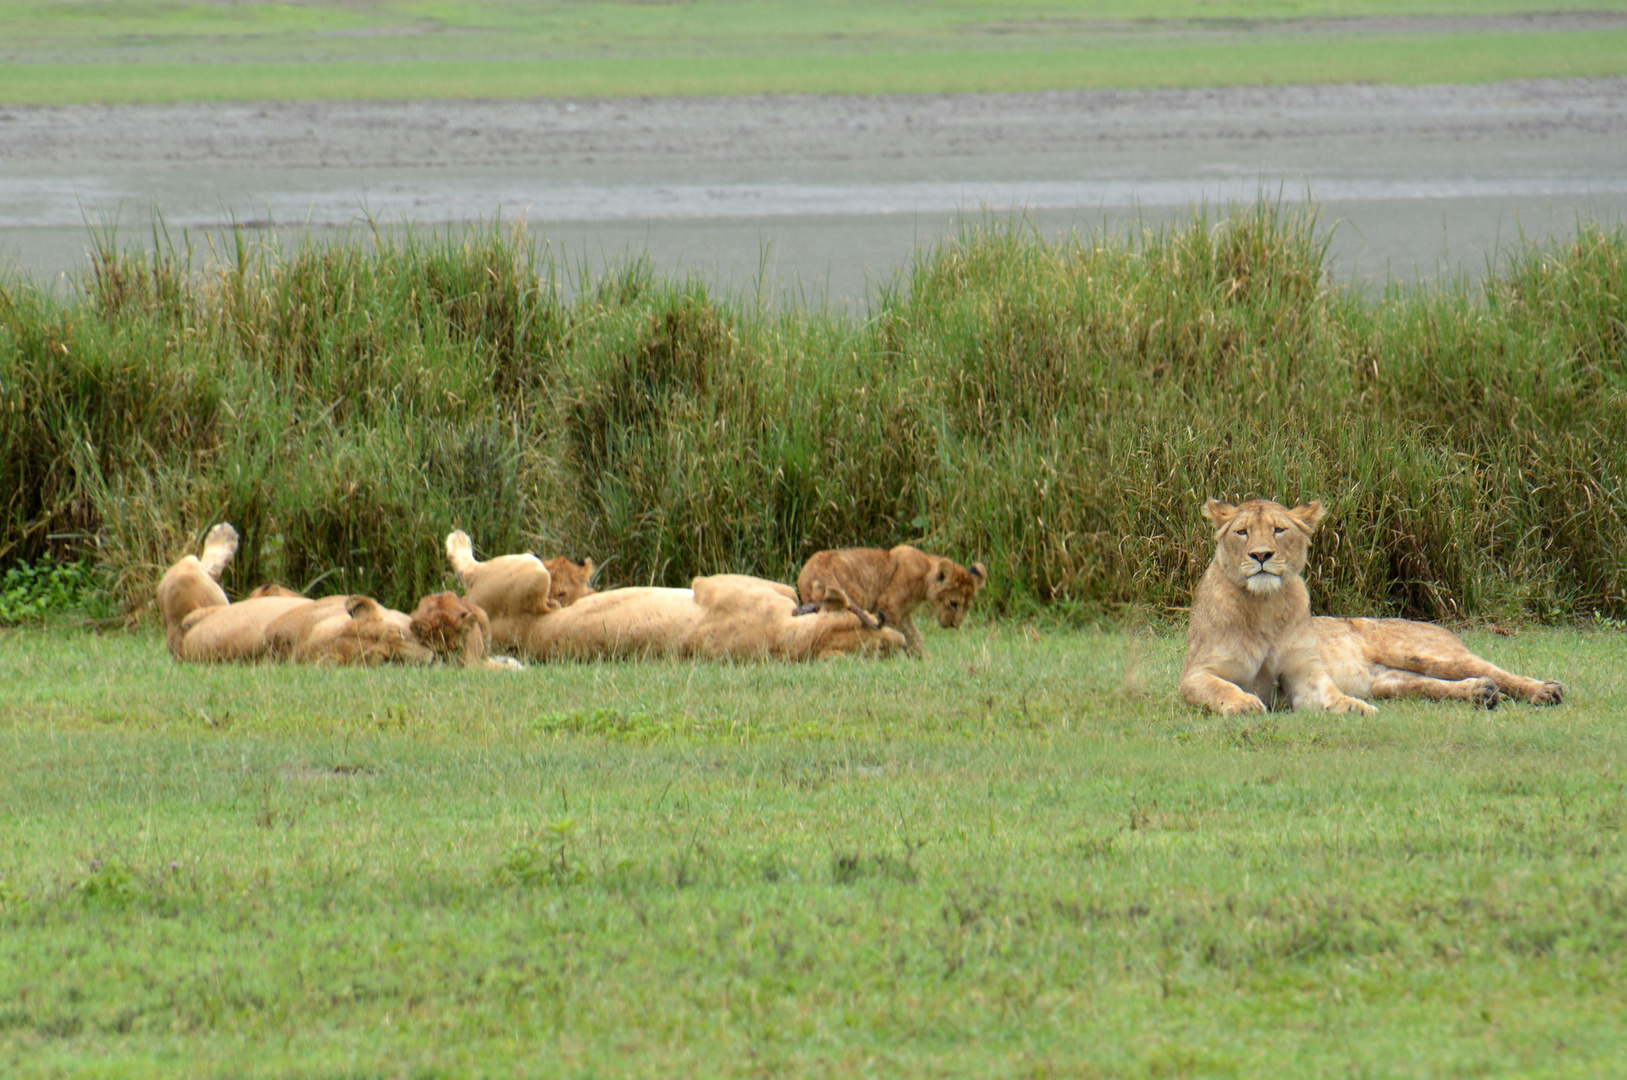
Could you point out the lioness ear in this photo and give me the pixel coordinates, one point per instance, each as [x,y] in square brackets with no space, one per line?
[980,574]
[587,567]
[1219,513]
[1308,516]
[835,599]
[363,607]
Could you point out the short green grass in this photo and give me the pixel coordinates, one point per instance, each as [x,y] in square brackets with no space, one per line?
[1020,857]
[191,50]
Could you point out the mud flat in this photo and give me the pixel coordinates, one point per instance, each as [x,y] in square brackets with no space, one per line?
[829,193]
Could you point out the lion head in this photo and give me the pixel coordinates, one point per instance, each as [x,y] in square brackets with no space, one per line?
[571,581]
[950,588]
[272,588]
[452,628]
[1261,543]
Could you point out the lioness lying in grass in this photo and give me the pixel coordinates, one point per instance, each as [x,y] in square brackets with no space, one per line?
[725,616]
[1252,641]
[275,623]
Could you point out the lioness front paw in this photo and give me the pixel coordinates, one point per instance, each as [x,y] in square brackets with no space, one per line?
[1552,693]
[1485,694]
[1248,703]
[1344,704]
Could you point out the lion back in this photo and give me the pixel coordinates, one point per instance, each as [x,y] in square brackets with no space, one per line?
[862,573]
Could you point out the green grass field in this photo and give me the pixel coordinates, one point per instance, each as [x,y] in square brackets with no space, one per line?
[1020,857]
[190,51]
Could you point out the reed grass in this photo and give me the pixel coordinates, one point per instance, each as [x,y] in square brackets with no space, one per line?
[1058,409]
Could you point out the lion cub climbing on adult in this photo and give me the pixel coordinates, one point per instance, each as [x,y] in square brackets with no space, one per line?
[1252,640]
[893,583]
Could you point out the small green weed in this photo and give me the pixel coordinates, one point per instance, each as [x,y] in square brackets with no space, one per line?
[110,883]
[29,592]
[542,858]
[635,726]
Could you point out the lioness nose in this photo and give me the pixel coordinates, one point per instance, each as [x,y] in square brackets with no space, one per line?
[1261,557]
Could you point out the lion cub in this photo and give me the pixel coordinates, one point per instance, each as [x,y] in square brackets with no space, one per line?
[893,584]
[1252,640]
[570,581]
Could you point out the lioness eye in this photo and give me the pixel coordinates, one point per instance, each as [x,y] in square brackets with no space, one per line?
[1242,532]
[1281,530]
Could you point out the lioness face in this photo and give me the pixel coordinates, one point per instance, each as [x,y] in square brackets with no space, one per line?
[950,588]
[1260,543]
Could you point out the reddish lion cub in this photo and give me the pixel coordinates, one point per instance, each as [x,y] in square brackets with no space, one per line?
[893,584]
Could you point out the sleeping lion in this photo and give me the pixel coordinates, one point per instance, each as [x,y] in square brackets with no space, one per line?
[276,623]
[1252,641]
[725,616]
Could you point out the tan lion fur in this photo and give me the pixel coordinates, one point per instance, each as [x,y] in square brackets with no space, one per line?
[1381,658]
[456,630]
[1400,658]
[193,584]
[276,623]
[1250,639]
[570,581]
[507,587]
[727,616]
[893,583]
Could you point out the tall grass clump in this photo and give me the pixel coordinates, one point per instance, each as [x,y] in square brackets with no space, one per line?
[1058,409]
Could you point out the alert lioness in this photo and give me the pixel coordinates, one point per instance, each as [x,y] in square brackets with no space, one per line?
[893,583]
[1252,641]
[725,616]
[275,623]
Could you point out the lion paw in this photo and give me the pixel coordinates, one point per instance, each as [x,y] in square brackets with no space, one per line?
[218,548]
[1343,705]
[1248,703]
[1552,693]
[1485,693]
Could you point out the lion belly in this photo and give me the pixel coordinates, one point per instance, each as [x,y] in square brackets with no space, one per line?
[640,621]
[236,631]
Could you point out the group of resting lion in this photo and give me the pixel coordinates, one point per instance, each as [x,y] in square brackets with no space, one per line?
[858,601]
[1252,642]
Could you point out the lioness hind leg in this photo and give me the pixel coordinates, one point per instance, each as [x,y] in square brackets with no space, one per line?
[1427,649]
[1393,683]
[218,548]
[460,551]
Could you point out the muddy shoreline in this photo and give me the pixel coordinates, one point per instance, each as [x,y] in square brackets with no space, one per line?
[1417,179]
